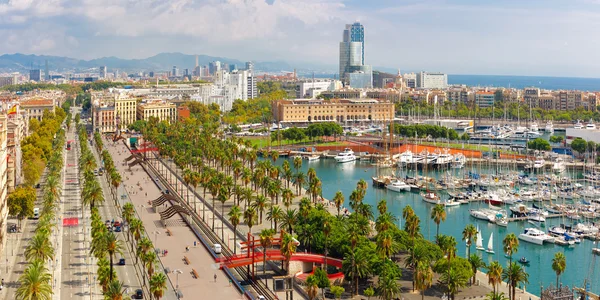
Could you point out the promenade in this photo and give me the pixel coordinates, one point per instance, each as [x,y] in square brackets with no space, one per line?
[181,236]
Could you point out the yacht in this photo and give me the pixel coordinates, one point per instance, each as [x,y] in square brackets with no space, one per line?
[590,125]
[557,231]
[558,166]
[345,156]
[443,159]
[533,127]
[458,161]
[431,197]
[482,215]
[549,127]
[313,157]
[405,158]
[535,236]
[539,164]
[398,186]
[578,125]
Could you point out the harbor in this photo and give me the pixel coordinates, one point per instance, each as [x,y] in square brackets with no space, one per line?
[343,176]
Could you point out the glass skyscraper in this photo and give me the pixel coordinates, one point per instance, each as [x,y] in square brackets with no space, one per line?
[352,51]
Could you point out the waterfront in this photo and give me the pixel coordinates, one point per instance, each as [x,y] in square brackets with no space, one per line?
[579,258]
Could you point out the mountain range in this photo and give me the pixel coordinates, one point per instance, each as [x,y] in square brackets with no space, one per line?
[160,62]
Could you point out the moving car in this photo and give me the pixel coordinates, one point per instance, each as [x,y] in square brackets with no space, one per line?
[139,294]
[121,262]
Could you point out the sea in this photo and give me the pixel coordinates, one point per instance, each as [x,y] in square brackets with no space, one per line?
[580,260]
[519,82]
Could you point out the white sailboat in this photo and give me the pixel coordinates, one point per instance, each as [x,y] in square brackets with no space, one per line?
[479,243]
[490,247]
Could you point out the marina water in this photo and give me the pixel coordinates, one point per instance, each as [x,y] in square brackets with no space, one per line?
[344,177]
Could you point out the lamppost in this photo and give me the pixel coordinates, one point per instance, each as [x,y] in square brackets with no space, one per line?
[177,272]
[156,232]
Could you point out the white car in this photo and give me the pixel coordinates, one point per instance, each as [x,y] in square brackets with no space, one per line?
[217,248]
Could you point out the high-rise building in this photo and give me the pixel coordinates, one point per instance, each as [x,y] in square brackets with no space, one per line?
[352,55]
[47,73]
[175,71]
[214,67]
[250,66]
[103,72]
[429,80]
[186,72]
[8,80]
[35,75]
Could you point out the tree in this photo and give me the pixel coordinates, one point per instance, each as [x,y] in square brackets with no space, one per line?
[35,283]
[288,248]
[424,277]
[39,248]
[311,287]
[515,275]
[470,235]
[356,265]
[476,264]
[234,217]
[113,246]
[557,139]
[494,274]
[579,145]
[322,280]
[455,279]
[387,287]
[338,199]
[158,285]
[510,245]
[438,215]
[369,292]
[539,144]
[337,291]
[114,291]
[21,203]
[559,264]
[250,218]
[266,240]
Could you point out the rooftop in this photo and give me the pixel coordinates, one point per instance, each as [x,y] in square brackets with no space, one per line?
[37,102]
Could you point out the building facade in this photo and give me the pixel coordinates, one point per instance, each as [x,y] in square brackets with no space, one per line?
[104,118]
[484,99]
[431,80]
[160,109]
[8,80]
[341,110]
[125,110]
[3,179]
[35,107]
[35,75]
[17,129]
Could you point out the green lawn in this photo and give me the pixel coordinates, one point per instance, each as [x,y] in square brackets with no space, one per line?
[467,147]
[263,142]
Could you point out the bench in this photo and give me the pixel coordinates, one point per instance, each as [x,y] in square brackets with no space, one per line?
[169,233]
[186,260]
[195,274]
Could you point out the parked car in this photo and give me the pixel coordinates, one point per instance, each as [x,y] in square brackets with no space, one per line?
[139,294]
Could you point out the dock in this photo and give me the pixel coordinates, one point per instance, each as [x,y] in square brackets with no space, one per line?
[512,219]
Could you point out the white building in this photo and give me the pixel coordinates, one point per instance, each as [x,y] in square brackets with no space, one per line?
[103,72]
[430,80]
[313,88]
[239,84]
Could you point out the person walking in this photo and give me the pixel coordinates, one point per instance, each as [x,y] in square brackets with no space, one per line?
[215,277]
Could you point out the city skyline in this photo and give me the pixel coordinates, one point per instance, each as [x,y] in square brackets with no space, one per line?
[546,38]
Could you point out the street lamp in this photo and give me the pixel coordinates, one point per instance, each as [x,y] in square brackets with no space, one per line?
[177,272]
[156,232]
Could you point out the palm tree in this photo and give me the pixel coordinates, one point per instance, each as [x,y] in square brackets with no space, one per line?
[149,259]
[289,219]
[39,248]
[158,285]
[35,283]
[274,215]
[92,194]
[113,246]
[494,274]
[559,264]
[287,196]
[438,214]
[454,281]
[114,291]
[224,195]
[510,245]
[266,240]
[300,179]
[407,211]
[385,244]
[261,203]
[338,199]
[470,235]
[387,287]
[297,163]
[514,275]
[311,287]
[424,277]
[234,217]
[476,264]
[287,248]
[356,266]
[250,218]
[143,247]
[135,228]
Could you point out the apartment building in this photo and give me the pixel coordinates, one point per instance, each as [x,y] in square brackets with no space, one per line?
[338,110]
[125,109]
[160,109]
[35,107]
[17,129]
[484,99]
[104,118]
[3,179]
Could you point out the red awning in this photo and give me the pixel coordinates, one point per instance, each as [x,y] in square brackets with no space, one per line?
[70,221]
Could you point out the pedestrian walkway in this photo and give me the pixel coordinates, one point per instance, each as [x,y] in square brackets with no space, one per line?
[142,190]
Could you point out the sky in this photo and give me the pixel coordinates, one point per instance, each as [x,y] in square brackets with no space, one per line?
[503,37]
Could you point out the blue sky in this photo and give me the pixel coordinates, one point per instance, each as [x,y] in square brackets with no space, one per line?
[527,37]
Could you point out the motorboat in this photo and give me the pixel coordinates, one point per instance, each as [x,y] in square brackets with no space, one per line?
[535,236]
[398,186]
[443,159]
[562,241]
[313,157]
[431,197]
[345,156]
[523,260]
[537,164]
[450,203]
[405,158]
[493,199]
[382,181]
[549,127]
[519,210]
[502,221]
[558,166]
[483,215]
[590,125]
[578,125]
[557,231]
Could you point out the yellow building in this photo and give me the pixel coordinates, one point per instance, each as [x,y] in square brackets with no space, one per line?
[337,110]
[125,110]
[160,109]
[35,107]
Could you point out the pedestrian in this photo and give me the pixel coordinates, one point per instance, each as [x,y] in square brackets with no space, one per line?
[194,243]
[216,278]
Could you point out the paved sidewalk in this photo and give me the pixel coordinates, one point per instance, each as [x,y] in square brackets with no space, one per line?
[182,236]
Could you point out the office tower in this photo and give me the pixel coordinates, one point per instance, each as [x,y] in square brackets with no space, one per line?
[214,67]
[151,74]
[35,75]
[186,72]
[175,71]
[250,66]
[47,72]
[103,72]
[232,67]
[352,57]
